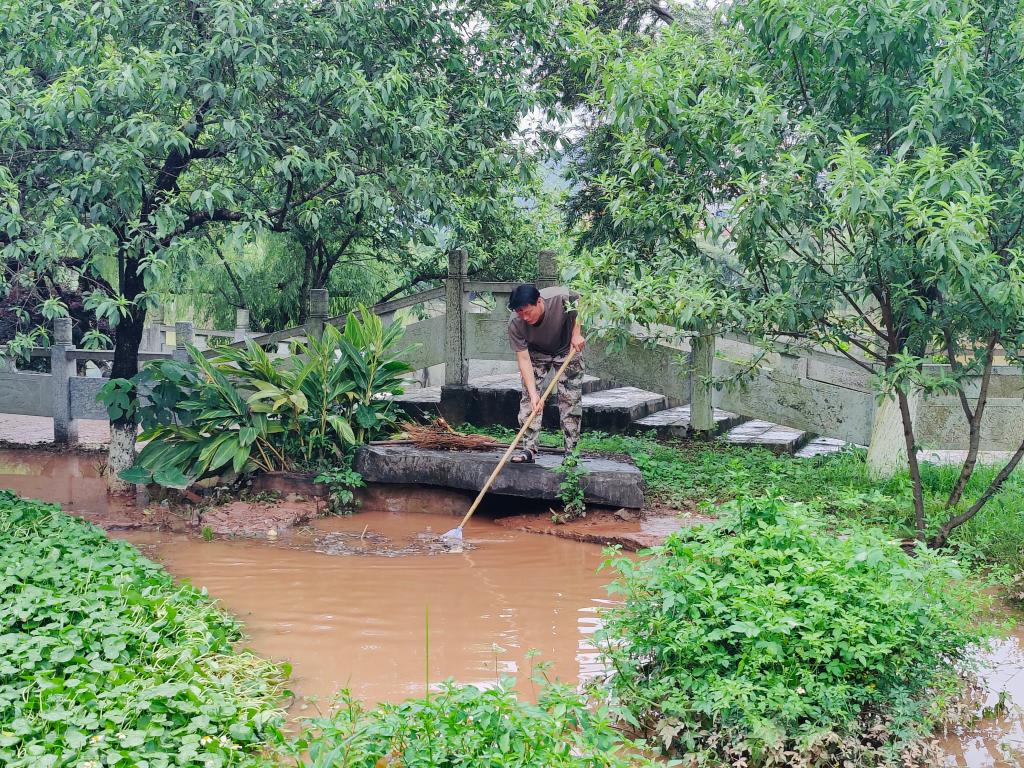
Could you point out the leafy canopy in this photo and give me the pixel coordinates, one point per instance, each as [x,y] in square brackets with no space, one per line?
[849,176]
[128,128]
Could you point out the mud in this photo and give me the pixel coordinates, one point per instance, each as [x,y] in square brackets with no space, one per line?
[622,528]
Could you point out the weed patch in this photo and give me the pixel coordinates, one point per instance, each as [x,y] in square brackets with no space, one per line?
[463,725]
[767,639]
[104,661]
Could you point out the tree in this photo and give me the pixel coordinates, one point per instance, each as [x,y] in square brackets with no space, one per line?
[502,229]
[126,129]
[862,167]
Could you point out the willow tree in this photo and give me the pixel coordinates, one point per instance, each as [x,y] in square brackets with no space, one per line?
[127,129]
[861,168]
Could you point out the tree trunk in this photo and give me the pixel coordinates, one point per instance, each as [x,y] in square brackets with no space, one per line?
[127,340]
[915,469]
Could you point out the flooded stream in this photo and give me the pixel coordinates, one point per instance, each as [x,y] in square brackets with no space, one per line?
[343,617]
[360,621]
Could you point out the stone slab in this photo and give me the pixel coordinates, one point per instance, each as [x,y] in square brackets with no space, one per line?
[610,483]
[821,446]
[675,422]
[492,399]
[615,410]
[765,434]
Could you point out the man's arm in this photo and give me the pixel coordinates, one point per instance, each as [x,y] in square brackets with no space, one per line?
[526,371]
[577,342]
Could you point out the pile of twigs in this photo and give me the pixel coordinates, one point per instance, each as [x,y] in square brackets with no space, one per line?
[438,434]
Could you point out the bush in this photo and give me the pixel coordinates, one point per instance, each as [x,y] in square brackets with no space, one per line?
[104,661]
[767,638]
[466,726]
[245,411]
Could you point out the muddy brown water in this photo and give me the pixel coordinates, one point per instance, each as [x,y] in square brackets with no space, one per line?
[354,614]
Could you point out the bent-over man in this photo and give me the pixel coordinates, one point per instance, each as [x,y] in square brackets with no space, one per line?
[542,329]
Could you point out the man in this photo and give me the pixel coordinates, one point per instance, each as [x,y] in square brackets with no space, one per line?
[542,329]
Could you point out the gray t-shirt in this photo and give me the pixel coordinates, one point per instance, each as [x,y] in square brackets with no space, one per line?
[551,336]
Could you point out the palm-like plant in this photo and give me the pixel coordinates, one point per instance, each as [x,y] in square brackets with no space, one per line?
[254,412]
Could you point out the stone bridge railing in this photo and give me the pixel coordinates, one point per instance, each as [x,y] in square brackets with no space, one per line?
[466,320]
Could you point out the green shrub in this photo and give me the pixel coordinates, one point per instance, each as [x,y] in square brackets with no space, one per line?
[246,411]
[104,661]
[766,634]
[466,726]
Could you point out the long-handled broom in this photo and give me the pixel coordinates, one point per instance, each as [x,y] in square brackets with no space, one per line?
[454,536]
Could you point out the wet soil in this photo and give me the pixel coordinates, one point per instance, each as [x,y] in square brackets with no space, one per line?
[623,528]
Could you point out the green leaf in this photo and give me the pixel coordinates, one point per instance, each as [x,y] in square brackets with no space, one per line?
[171,477]
[136,474]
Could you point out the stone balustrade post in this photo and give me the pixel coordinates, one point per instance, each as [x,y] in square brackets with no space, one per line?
[887,451]
[455,390]
[547,270]
[62,369]
[702,411]
[319,300]
[456,358]
[184,336]
[241,325]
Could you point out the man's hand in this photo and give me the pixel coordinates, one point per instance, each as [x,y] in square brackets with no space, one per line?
[535,402]
[577,342]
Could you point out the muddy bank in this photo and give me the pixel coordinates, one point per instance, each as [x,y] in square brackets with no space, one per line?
[624,528]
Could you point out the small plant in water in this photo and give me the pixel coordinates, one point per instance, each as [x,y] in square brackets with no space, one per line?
[570,490]
[341,481]
[207,533]
[466,726]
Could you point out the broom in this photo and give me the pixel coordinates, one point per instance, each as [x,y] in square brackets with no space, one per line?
[439,434]
[454,536]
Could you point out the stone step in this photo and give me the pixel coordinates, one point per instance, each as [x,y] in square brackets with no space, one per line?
[615,410]
[765,434]
[675,422]
[821,446]
[493,394]
[495,400]
[606,482]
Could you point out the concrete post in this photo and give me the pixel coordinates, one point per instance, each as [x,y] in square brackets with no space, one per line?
[62,368]
[547,269]
[702,411]
[887,451]
[456,360]
[184,335]
[152,339]
[241,324]
[318,302]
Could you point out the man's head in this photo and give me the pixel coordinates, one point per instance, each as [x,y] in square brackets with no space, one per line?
[526,302]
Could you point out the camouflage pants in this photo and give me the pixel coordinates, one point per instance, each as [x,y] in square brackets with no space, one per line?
[570,393]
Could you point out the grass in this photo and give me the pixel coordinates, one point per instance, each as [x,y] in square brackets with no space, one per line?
[688,474]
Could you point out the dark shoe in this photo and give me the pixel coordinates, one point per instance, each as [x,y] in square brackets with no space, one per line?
[524,456]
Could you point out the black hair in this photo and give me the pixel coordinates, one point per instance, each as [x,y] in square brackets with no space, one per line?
[524,295]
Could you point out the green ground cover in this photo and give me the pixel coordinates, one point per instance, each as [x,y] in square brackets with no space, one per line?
[688,474]
[764,639]
[104,661]
[467,726]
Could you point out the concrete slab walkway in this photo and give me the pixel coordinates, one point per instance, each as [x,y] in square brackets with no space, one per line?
[607,482]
